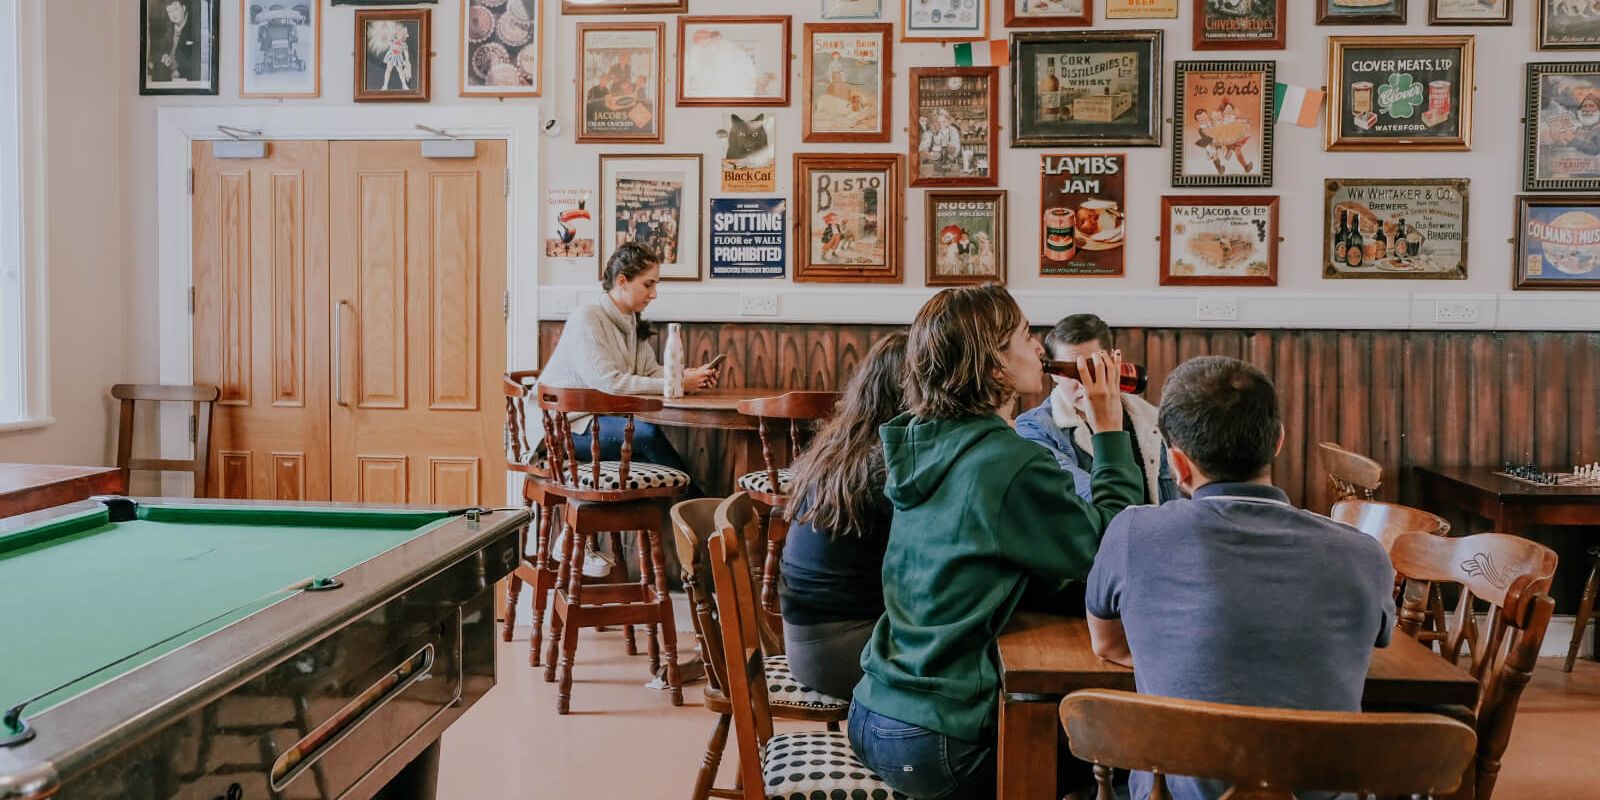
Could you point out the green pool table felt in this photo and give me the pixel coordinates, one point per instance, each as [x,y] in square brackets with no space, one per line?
[81,592]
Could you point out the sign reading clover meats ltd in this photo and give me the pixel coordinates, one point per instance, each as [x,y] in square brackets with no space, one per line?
[1394,92]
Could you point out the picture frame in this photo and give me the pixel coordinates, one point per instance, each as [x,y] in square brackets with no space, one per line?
[1141,9]
[1083,214]
[1361,12]
[280,51]
[1219,240]
[1117,102]
[179,51]
[1048,13]
[1400,93]
[1251,25]
[852,9]
[502,48]
[966,239]
[661,197]
[1224,140]
[620,83]
[383,53]
[1429,214]
[598,7]
[846,89]
[1561,141]
[848,217]
[939,21]
[1557,29]
[733,61]
[382,2]
[1555,242]
[1468,12]
[954,141]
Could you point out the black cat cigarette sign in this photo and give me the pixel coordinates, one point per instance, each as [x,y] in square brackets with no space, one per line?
[749,163]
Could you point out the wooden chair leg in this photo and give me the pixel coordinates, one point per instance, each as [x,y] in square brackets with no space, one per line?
[630,644]
[709,765]
[542,583]
[664,620]
[569,633]
[557,618]
[1585,611]
[645,541]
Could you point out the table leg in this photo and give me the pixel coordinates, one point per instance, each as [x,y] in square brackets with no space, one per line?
[1027,745]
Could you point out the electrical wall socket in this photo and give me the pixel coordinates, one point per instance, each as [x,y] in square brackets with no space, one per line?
[1217,309]
[564,302]
[1455,312]
[758,304]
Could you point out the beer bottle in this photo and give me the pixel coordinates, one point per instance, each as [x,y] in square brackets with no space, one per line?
[1356,250]
[1380,244]
[1132,380]
[1341,239]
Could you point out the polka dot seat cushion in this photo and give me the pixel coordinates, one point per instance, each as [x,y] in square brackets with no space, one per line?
[819,764]
[784,690]
[760,481]
[640,476]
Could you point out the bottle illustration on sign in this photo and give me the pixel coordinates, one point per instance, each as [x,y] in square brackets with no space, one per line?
[1363,237]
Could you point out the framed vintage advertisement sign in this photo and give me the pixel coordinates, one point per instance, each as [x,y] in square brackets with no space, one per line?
[619,81]
[1361,12]
[1141,9]
[749,237]
[1222,123]
[1240,24]
[571,7]
[1561,145]
[1567,25]
[1048,13]
[728,61]
[1083,214]
[1395,228]
[178,46]
[954,141]
[1219,240]
[849,217]
[280,51]
[1099,87]
[1400,92]
[852,9]
[502,48]
[966,238]
[749,160]
[1558,242]
[845,81]
[1470,12]
[654,200]
[394,55]
[944,20]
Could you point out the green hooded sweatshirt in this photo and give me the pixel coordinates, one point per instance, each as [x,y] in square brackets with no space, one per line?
[977,510]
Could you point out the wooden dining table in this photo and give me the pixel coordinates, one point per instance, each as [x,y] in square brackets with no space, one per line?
[34,487]
[1044,657]
[718,409]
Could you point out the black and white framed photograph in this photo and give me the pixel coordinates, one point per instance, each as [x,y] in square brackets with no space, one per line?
[280,49]
[654,200]
[178,40]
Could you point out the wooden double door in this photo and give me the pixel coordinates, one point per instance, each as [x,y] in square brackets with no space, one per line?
[348,300]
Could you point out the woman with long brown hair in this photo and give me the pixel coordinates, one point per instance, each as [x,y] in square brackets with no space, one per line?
[832,586]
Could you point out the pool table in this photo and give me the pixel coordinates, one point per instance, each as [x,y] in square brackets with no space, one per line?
[240,650]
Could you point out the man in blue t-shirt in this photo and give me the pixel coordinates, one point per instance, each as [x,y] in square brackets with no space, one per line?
[1235,596]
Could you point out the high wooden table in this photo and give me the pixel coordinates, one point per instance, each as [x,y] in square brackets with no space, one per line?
[32,487]
[1044,657]
[718,409]
[1510,505]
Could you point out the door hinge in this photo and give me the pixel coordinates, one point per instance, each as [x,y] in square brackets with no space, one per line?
[505,304]
[194,428]
[506,186]
[191,181]
[191,301]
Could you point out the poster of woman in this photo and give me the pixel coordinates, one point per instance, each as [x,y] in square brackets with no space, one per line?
[846,82]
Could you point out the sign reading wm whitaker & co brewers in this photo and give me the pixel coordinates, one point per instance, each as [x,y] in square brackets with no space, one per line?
[749,237]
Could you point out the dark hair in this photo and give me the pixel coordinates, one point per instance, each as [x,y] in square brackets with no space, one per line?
[842,473]
[629,260]
[1223,414]
[953,352]
[1080,328]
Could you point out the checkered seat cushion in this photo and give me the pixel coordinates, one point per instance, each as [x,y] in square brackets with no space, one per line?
[641,475]
[760,481]
[819,764]
[784,690]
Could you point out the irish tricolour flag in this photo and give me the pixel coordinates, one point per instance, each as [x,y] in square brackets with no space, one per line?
[1297,104]
[982,54]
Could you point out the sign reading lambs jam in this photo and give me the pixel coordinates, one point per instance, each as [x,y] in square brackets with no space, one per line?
[1401,92]
[748,237]
[1082,217]
[1395,228]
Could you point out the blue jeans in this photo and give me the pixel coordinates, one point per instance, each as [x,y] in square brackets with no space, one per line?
[650,445]
[925,764]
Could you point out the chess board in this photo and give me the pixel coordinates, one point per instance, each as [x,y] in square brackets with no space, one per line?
[1587,479]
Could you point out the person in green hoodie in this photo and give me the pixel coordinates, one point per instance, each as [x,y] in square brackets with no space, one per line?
[979,512]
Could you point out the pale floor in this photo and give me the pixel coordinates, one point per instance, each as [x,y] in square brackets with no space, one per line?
[623,740]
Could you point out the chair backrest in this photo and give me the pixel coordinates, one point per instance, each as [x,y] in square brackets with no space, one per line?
[556,407]
[516,387]
[1386,521]
[1351,474]
[1265,752]
[745,662]
[796,407]
[201,396]
[693,522]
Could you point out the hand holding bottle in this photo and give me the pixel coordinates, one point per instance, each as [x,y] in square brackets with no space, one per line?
[1099,375]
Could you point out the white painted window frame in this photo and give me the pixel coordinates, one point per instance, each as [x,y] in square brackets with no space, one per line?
[23,256]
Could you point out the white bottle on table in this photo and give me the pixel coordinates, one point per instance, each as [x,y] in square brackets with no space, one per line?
[672,362]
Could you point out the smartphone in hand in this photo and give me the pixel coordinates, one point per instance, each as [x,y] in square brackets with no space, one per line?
[716,363]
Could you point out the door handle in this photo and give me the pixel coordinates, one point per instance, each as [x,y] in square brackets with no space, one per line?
[338,352]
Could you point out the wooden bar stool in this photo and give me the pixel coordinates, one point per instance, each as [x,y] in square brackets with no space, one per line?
[202,397]
[607,496]
[769,487]
[1351,474]
[535,569]
[1585,610]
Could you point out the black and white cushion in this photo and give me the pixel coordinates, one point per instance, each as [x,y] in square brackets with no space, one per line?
[760,481]
[641,475]
[784,690]
[819,764]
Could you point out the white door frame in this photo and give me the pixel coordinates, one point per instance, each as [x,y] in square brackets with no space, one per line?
[178,127]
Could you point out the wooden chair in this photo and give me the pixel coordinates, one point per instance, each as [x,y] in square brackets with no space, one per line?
[1350,474]
[1585,610]
[770,765]
[1513,576]
[202,397]
[1265,753]
[693,522]
[607,496]
[536,569]
[1385,522]
[769,487]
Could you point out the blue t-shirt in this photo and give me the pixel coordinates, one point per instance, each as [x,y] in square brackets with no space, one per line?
[828,578]
[1238,597]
